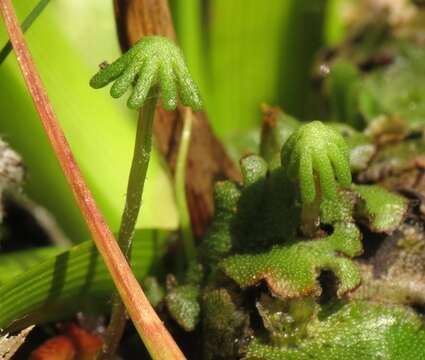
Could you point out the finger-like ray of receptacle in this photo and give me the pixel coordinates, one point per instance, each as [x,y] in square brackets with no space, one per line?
[327,180]
[306,175]
[104,76]
[340,143]
[340,164]
[123,83]
[143,85]
[188,91]
[168,86]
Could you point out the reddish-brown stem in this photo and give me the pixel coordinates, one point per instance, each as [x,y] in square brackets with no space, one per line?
[158,341]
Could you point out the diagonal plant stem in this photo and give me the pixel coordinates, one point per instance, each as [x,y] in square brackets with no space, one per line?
[155,336]
[139,168]
[136,182]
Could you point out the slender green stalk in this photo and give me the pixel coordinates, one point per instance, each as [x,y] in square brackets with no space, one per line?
[153,64]
[180,187]
[136,182]
[139,168]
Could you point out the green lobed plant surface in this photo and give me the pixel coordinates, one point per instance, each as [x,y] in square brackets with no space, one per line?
[254,240]
[357,330]
[256,291]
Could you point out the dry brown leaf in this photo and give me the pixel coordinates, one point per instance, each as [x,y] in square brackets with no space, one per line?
[10,344]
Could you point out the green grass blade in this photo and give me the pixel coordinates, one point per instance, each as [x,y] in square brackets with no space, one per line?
[14,263]
[334,29]
[189,28]
[25,26]
[244,42]
[72,281]
[260,51]
[302,38]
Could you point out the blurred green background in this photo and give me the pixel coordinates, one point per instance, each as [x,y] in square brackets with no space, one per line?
[242,52]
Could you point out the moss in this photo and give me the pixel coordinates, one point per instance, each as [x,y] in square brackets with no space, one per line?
[395,274]
[183,305]
[225,326]
[153,290]
[286,321]
[380,93]
[292,270]
[383,210]
[255,239]
[353,331]
[217,242]
[253,236]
